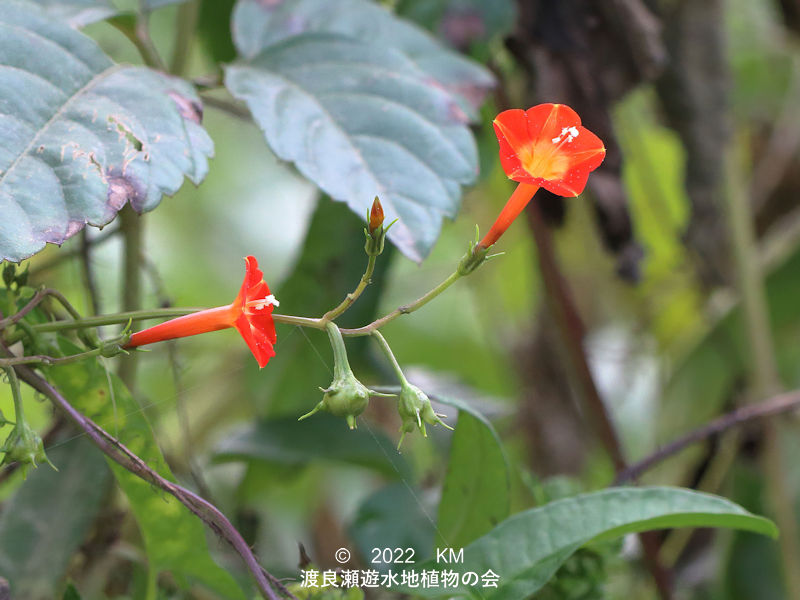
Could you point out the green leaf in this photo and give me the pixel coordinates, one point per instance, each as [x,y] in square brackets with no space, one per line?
[45,522]
[289,442]
[71,593]
[174,538]
[83,136]
[475,493]
[358,100]
[218,41]
[526,549]
[78,13]
[392,517]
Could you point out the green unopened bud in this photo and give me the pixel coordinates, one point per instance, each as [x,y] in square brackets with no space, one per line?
[22,278]
[415,410]
[9,274]
[346,397]
[23,445]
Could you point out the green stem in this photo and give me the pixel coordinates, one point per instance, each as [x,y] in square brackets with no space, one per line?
[387,350]
[341,366]
[404,310]
[115,319]
[762,363]
[186,23]
[144,315]
[310,322]
[139,35]
[49,360]
[19,413]
[331,315]
[132,231]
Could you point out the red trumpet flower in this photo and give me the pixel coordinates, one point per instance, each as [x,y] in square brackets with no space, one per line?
[250,313]
[544,146]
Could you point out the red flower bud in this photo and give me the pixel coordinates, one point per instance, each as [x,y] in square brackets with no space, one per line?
[375,216]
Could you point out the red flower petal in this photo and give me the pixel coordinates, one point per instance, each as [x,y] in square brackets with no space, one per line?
[260,340]
[547,146]
[253,319]
[255,323]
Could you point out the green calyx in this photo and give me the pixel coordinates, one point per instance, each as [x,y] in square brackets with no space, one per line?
[346,398]
[23,445]
[115,346]
[415,410]
[474,258]
[476,255]
[375,233]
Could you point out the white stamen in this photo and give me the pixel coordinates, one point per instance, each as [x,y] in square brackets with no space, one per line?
[262,304]
[570,132]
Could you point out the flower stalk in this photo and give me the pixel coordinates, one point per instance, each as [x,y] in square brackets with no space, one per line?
[346,396]
[413,404]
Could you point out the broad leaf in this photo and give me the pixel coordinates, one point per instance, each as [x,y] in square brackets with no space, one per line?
[45,522]
[526,549]
[289,442]
[258,24]
[358,100]
[78,12]
[174,538]
[461,22]
[83,136]
[475,494]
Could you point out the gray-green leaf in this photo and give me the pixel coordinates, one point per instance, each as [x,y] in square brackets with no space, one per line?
[83,136]
[78,12]
[363,104]
[526,549]
[258,25]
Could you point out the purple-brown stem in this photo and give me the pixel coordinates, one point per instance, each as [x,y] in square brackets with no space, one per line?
[120,454]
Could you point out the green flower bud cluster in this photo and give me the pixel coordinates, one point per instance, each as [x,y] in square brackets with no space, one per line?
[415,410]
[345,397]
[23,445]
[13,276]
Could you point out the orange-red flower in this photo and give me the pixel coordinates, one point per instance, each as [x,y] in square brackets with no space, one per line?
[250,313]
[544,146]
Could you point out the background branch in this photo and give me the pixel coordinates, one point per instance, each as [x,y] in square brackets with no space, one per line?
[773,406]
